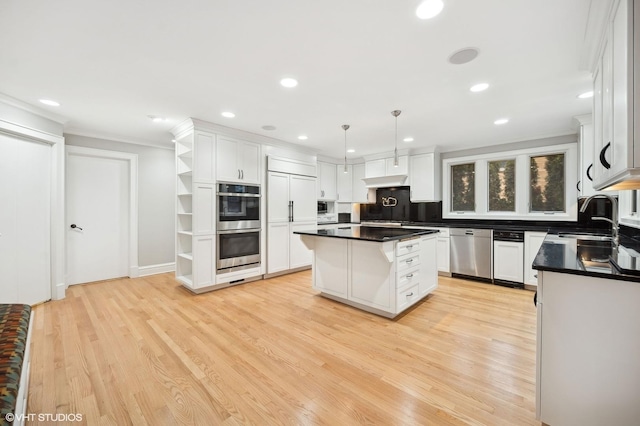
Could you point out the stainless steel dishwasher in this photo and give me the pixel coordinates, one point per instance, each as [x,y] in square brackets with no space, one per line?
[471,252]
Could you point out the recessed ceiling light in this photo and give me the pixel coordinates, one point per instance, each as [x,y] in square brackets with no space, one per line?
[303,137]
[429,8]
[501,121]
[463,56]
[289,82]
[407,140]
[586,95]
[228,114]
[479,87]
[156,119]
[50,102]
[268,127]
[173,140]
[351,150]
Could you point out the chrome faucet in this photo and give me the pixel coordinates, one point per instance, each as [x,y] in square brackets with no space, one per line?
[615,227]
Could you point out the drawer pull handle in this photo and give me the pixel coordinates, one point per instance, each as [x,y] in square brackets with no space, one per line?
[410,294]
[409,260]
[410,246]
[409,275]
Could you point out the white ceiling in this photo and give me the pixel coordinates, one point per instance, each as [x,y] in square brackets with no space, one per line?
[112,63]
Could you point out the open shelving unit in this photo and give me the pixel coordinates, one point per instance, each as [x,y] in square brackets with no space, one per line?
[195,259]
[184,210]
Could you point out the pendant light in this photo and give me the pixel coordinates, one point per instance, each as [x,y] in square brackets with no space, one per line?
[396,113]
[345,127]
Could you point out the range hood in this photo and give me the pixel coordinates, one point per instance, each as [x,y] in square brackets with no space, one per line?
[385,181]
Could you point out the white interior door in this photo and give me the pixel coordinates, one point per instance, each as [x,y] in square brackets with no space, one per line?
[25,221]
[97,212]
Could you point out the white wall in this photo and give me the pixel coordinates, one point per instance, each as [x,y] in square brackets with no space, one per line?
[156,197]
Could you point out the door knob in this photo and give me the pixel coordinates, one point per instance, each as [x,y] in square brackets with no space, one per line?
[74,226]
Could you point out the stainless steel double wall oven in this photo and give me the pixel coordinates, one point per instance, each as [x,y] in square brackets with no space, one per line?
[238,225]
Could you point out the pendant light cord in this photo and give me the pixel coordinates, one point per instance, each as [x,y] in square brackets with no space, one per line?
[396,113]
[345,127]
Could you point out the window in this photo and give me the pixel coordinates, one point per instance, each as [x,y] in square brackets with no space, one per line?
[546,183]
[463,185]
[502,186]
[536,183]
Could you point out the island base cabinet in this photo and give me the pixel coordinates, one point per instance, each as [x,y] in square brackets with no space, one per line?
[330,266]
[371,276]
[429,269]
[588,350]
[299,255]
[384,278]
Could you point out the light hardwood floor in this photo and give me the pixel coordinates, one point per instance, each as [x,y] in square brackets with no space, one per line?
[147,351]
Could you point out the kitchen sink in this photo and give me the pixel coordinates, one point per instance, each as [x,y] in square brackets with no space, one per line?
[586,237]
[594,254]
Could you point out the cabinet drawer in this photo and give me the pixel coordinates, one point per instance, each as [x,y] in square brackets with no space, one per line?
[406,262]
[407,297]
[408,277]
[407,247]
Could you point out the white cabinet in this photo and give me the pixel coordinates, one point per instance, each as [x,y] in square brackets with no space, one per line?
[585,169]
[326,181]
[291,207]
[587,350]
[371,276]
[429,245]
[532,243]
[385,167]
[375,168]
[344,183]
[424,177]
[380,277]
[204,254]
[508,261]
[195,209]
[331,270]
[615,157]
[278,235]
[361,194]
[443,247]
[237,161]
[443,251]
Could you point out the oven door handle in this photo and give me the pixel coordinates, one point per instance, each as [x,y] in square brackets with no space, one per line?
[231,194]
[239,231]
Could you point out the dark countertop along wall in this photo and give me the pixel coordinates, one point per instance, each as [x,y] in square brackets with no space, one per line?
[430,214]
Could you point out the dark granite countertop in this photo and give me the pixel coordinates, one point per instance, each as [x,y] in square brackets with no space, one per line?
[368,233]
[595,258]
[550,227]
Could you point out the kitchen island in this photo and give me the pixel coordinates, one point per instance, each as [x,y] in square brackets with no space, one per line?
[377,269]
[588,332]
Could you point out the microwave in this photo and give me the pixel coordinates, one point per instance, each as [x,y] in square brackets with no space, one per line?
[322,207]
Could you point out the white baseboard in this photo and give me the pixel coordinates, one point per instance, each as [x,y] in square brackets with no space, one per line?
[59,291]
[143,271]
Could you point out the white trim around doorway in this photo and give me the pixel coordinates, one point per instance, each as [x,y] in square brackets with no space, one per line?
[132,160]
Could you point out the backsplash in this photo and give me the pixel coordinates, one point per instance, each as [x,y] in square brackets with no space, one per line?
[403,210]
